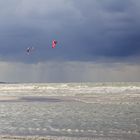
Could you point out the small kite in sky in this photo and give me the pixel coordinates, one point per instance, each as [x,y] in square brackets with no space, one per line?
[29,50]
[54,42]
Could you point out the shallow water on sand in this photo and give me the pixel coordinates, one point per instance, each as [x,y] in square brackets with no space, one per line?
[70,110]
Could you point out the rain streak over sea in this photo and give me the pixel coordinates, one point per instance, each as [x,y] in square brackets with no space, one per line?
[102,111]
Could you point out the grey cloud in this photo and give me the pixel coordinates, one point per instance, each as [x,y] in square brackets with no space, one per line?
[85,30]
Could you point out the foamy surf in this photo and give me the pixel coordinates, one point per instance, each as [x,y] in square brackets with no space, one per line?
[70,111]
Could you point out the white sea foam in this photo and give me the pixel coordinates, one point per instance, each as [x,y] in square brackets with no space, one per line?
[67,89]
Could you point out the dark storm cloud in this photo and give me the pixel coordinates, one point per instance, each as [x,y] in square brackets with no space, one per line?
[85,30]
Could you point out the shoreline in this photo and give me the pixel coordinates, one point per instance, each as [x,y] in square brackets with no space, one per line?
[63,138]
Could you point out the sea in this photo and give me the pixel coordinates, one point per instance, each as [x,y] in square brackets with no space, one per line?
[84,111]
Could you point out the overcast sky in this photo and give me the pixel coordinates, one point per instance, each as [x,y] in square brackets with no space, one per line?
[98,40]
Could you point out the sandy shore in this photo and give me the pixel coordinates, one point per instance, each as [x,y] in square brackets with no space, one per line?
[8,98]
